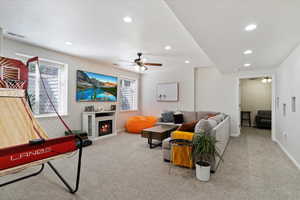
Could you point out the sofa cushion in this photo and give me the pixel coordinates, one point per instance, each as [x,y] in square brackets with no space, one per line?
[167,116]
[205,125]
[204,114]
[188,127]
[189,116]
[212,123]
[217,118]
[223,116]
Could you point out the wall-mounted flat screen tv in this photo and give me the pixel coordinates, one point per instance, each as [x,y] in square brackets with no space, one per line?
[96,87]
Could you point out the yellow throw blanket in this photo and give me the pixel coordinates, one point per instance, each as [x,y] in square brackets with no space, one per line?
[181,155]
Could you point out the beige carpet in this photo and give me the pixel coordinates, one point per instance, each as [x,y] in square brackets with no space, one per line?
[124,168]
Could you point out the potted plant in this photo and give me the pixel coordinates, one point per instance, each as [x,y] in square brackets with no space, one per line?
[203,152]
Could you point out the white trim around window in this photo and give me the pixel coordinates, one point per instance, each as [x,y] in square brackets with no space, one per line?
[61,86]
[132,102]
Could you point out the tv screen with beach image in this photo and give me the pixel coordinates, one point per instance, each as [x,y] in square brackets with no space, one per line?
[96,87]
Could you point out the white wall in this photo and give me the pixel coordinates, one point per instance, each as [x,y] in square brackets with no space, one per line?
[201,89]
[288,127]
[52,125]
[185,78]
[255,96]
[217,92]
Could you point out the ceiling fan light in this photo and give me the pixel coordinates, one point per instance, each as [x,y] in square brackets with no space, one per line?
[264,80]
[143,68]
[137,68]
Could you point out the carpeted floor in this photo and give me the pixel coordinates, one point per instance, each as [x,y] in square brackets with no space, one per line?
[124,168]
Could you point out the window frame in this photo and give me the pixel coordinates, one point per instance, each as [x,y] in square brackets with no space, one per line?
[136,109]
[63,85]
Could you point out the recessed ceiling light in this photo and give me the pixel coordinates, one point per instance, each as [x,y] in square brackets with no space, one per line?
[168,47]
[247,65]
[251,27]
[68,43]
[127,19]
[247,52]
[187,62]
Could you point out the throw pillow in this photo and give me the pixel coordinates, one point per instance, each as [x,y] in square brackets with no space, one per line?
[212,123]
[178,118]
[205,125]
[218,118]
[188,127]
[167,116]
[223,115]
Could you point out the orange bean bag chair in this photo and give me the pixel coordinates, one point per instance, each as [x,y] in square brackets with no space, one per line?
[136,124]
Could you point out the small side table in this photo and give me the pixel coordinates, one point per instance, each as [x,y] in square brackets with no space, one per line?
[246,116]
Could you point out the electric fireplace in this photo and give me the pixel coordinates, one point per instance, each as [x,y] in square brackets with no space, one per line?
[99,124]
[105,127]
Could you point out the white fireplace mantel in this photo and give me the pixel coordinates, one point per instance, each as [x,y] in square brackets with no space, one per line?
[90,123]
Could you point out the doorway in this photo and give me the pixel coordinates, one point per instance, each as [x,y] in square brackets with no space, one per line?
[256,105]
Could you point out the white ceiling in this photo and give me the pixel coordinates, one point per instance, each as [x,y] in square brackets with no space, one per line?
[217,26]
[97,30]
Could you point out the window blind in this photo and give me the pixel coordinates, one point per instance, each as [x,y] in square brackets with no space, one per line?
[38,98]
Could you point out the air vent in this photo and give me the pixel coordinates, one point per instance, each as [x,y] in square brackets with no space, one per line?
[15,35]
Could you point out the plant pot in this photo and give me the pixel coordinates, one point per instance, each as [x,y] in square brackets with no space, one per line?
[203,171]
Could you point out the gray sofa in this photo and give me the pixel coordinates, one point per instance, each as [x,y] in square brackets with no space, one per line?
[222,133]
[189,116]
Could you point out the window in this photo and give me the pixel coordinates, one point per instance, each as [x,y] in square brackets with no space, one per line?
[54,75]
[128,94]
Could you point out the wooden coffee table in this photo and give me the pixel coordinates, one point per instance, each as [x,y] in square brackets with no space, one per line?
[159,133]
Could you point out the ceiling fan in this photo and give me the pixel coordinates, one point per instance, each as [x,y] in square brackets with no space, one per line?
[140,62]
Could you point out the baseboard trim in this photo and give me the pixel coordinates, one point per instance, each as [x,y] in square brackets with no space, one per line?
[121,130]
[288,154]
[235,134]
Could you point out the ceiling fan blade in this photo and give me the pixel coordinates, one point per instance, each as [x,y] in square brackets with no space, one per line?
[129,65]
[153,64]
[124,65]
[125,61]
